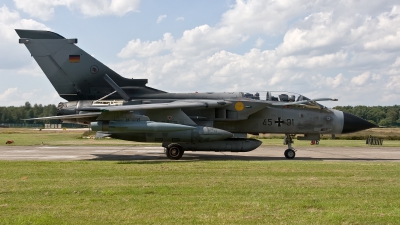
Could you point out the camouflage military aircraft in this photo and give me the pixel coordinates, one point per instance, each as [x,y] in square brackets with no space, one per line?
[127,109]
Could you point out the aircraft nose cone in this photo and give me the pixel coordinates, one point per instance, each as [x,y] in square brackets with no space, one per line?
[353,124]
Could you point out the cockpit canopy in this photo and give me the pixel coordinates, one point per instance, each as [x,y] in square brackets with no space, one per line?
[279,96]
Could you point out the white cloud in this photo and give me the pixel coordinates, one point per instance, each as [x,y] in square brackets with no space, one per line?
[10,20]
[45,9]
[337,59]
[361,79]
[146,49]
[181,18]
[161,18]
[394,84]
[269,16]
[197,42]
[16,55]
[389,42]
[275,17]
[31,69]
[259,42]
[396,64]
[318,32]
[311,62]
[205,40]
[15,97]
[8,94]
[393,90]
[334,82]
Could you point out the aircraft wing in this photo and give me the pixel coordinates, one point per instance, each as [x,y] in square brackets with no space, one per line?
[170,105]
[73,116]
[97,111]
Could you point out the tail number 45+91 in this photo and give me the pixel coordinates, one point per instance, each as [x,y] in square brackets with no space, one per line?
[279,121]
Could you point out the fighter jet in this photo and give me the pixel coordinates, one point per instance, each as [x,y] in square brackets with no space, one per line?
[127,109]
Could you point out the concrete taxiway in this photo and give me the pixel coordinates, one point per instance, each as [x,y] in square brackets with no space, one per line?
[157,153]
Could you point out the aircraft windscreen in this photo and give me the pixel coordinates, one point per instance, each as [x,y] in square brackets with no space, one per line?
[280,96]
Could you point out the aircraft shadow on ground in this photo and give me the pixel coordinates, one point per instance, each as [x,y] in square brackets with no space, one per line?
[188,157]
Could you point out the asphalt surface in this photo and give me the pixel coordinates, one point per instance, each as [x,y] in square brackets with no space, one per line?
[61,153]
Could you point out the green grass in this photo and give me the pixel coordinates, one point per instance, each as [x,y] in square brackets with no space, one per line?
[205,192]
[31,137]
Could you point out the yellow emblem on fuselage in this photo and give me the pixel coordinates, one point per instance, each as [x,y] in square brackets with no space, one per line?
[239,106]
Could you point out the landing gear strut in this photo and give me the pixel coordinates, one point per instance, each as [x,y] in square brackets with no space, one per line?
[290,153]
[174,151]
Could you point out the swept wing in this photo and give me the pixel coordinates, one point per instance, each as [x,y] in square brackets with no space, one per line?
[96,111]
[74,116]
[170,105]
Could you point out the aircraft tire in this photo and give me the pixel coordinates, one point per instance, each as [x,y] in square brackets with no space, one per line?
[174,151]
[290,153]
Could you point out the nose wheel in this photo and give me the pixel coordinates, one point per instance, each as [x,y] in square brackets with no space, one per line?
[290,153]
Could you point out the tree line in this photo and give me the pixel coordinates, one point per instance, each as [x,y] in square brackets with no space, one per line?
[16,114]
[380,115]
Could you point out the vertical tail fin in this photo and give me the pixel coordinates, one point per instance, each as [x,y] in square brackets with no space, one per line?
[75,74]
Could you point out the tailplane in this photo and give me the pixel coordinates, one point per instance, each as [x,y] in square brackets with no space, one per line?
[75,74]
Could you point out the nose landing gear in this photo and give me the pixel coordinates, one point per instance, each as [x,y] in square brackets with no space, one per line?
[290,153]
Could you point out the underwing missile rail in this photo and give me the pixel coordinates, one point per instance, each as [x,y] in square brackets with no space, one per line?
[137,127]
[150,131]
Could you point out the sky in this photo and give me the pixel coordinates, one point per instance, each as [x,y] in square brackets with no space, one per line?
[344,49]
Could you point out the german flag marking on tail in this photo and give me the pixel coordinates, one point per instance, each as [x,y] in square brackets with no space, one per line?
[74,58]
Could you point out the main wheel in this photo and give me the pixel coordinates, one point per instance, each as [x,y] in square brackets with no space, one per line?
[174,151]
[290,154]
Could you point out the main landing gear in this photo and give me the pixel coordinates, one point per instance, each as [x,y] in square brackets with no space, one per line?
[290,153]
[174,151]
